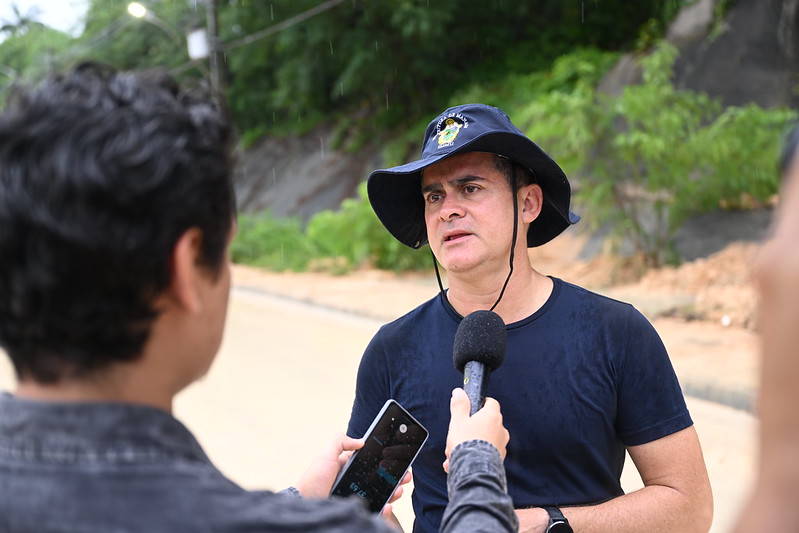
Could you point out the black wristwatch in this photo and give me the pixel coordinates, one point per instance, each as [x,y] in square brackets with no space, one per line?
[557,522]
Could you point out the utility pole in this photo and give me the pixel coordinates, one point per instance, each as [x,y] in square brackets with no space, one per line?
[215,52]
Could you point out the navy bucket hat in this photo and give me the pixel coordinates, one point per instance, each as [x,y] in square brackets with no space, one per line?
[396,193]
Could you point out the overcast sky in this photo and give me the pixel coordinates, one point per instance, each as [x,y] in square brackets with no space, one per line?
[64,15]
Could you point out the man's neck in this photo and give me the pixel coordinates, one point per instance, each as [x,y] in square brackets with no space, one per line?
[526,293]
[114,385]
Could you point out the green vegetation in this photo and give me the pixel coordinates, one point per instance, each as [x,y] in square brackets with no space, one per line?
[650,158]
[29,48]
[641,162]
[264,240]
[391,63]
[355,234]
[336,242]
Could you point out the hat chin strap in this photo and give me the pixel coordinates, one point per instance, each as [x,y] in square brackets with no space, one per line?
[441,290]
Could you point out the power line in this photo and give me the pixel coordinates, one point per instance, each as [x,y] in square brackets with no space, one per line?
[267,31]
[281,26]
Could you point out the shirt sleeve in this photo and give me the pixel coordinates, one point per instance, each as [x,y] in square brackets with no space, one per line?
[651,402]
[478,492]
[372,388]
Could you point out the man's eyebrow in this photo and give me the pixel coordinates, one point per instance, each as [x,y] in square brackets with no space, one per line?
[454,182]
[431,187]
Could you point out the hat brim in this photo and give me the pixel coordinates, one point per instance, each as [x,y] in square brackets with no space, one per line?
[396,193]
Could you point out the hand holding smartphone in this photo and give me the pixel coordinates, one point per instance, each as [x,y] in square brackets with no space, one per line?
[391,444]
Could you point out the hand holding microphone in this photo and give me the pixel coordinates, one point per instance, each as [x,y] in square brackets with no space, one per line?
[478,350]
[485,425]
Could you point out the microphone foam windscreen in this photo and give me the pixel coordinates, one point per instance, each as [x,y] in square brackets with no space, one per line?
[481,337]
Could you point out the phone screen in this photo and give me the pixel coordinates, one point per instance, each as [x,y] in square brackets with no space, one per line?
[391,444]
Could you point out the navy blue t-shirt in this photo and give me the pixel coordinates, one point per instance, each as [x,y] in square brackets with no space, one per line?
[582,378]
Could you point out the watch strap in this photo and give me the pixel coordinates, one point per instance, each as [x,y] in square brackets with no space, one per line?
[556,518]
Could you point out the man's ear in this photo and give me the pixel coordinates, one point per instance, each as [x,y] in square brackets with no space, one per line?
[186,271]
[532,202]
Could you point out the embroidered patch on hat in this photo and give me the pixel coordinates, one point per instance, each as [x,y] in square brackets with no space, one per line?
[452,124]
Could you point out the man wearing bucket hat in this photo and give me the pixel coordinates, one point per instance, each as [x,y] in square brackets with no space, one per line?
[584,379]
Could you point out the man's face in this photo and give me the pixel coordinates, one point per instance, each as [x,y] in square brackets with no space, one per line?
[468,212]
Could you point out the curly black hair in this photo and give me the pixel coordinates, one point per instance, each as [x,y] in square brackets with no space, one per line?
[101,172]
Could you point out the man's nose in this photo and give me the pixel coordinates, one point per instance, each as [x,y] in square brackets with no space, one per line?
[450,208]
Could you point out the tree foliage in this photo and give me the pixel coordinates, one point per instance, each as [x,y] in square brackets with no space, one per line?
[31,53]
[385,63]
[113,36]
[29,48]
[646,160]
[396,61]
[641,161]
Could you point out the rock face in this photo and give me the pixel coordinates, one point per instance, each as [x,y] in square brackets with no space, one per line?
[299,176]
[692,22]
[749,56]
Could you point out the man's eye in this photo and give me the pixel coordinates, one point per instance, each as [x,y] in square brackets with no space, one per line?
[433,198]
[471,188]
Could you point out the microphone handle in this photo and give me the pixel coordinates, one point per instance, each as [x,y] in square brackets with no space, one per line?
[475,382]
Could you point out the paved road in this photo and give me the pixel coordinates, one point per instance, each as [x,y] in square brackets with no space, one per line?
[283,383]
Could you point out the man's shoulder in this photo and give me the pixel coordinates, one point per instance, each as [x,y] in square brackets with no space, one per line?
[602,310]
[431,310]
[571,290]
[572,298]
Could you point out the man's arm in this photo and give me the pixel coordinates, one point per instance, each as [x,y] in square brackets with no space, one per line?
[676,494]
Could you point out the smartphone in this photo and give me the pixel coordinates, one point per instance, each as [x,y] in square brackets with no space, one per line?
[392,443]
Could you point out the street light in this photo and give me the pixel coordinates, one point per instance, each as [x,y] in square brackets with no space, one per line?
[200,44]
[137,10]
[140,12]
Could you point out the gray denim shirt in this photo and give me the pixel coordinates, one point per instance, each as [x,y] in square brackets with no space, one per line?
[114,467]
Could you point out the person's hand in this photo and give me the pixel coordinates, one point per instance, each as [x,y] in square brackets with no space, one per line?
[388,509]
[318,479]
[485,424]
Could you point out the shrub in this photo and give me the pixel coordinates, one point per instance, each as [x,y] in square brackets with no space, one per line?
[650,158]
[356,234]
[277,244]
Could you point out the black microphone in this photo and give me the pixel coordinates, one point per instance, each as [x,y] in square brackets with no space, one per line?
[478,350]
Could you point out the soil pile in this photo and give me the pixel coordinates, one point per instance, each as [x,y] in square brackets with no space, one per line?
[718,288]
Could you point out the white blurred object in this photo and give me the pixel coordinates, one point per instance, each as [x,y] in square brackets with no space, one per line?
[198,44]
[137,10]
